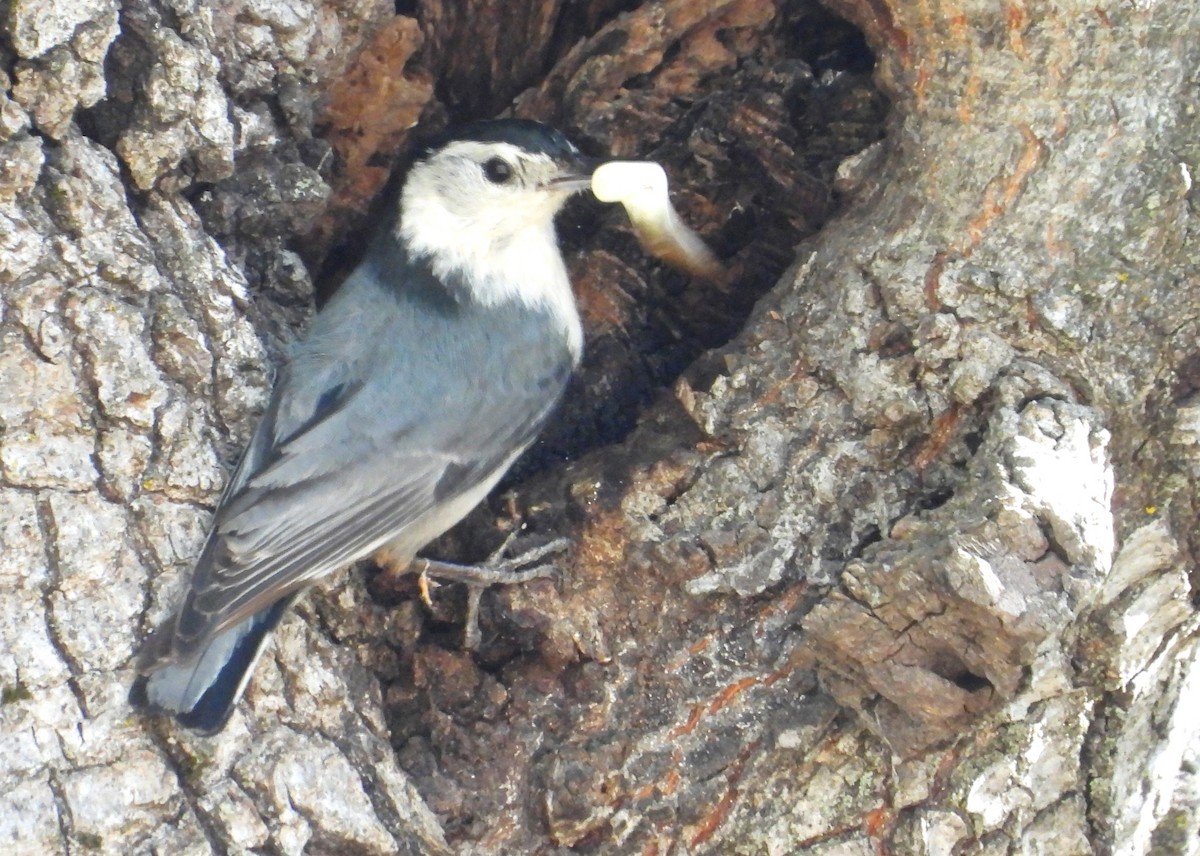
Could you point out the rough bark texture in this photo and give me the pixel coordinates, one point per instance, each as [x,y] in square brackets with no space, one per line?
[907,564]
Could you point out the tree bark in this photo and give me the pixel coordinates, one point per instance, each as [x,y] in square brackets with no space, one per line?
[890,547]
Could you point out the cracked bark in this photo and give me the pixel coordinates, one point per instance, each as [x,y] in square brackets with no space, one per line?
[891,549]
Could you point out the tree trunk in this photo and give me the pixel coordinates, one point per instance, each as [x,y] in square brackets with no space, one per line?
[888,547]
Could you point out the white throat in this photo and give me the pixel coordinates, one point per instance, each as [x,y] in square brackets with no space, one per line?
[502,253]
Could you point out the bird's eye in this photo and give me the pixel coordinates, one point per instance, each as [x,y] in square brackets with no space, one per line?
[498,170]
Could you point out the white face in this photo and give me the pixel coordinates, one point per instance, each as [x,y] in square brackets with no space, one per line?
[487,210]
[470,199]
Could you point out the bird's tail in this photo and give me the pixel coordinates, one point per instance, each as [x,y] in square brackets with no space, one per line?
[201,691]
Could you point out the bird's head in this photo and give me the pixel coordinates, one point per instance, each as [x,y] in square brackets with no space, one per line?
[484,195]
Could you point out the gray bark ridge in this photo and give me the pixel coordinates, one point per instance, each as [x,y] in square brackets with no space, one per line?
[130,372]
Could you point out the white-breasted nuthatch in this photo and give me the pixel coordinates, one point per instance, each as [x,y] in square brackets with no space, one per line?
[428,372]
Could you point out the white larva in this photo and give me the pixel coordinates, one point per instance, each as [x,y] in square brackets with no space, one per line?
[641,187]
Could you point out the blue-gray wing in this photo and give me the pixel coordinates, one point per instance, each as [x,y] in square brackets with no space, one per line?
[397,401]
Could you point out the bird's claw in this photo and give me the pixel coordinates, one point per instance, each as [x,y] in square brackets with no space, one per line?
[494,571]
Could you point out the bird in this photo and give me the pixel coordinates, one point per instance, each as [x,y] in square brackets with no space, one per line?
[428,372]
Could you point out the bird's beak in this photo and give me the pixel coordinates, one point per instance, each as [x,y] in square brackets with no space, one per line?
[575,174]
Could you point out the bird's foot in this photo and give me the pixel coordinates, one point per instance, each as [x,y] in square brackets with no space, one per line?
[495,570]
